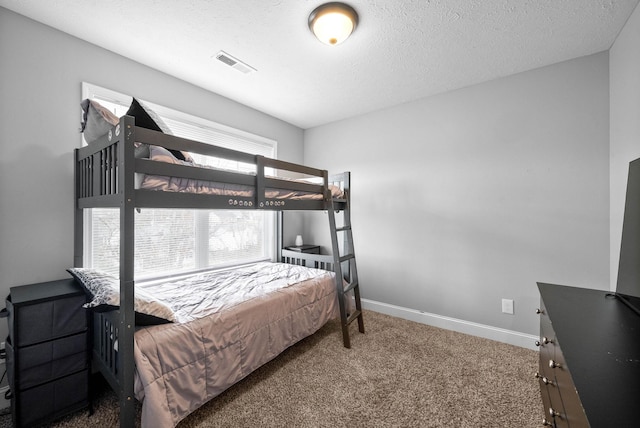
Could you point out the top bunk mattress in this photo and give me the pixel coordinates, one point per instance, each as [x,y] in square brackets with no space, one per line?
[190,185]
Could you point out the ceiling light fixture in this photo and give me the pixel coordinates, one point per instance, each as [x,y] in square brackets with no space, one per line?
[333,22]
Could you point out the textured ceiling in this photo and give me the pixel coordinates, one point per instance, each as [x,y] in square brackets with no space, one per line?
[401,50]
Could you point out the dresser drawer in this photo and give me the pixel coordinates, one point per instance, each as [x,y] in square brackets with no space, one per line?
[547,345]
[549,391]
[40,404]
[544,394]
[572,412]
[46,311]
[32,365]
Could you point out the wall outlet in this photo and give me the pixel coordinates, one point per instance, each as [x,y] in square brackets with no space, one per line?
[507,306]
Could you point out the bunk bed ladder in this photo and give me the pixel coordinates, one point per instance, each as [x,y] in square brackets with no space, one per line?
[346,270]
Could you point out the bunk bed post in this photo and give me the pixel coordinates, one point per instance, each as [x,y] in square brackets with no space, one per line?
[78,216]
[279,235]
[126,324]
[259,189]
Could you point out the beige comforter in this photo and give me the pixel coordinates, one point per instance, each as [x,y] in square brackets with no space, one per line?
[181,366]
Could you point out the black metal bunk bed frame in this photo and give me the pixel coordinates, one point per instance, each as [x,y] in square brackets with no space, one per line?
[105,178]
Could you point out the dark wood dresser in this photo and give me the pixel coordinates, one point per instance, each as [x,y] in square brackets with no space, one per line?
[589,358]
[47,357]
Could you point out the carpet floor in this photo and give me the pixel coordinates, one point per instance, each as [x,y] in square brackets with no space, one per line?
[399,374]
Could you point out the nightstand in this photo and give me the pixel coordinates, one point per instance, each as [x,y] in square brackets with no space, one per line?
[47,351]
[310,249]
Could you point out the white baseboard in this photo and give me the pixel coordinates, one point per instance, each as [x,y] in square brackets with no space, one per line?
[488,332]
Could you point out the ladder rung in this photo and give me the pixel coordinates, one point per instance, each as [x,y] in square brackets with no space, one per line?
[356,313]
[350,287]
[347,257]
[343,228]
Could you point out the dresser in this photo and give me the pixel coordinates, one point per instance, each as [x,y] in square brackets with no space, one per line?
[589,364]
[47,357]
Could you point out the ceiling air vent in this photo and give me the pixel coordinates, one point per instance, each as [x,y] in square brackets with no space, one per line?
[234,62]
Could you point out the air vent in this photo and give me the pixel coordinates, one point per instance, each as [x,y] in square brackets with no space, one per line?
[232,62]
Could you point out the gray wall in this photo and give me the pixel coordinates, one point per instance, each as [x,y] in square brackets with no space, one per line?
[41,71]
[468,197]
[625,124]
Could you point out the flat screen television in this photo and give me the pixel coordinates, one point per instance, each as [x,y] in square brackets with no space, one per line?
[629,267]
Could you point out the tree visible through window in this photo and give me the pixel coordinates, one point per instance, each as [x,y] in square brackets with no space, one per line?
[172,241]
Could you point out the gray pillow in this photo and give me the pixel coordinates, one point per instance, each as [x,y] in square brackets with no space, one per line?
[96,120]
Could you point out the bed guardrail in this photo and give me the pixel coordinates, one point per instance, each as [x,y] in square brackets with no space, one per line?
[318,261]
[103,168]
[105,345]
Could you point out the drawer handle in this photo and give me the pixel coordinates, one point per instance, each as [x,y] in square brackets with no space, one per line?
[545,379]
[553,364]
[545,341]
[546,423]
[554,413]
[539,311]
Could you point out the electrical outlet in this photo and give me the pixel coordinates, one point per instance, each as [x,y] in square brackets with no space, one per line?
[507,306]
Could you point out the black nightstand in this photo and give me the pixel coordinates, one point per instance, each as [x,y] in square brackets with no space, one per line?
[47,351]
[310,249]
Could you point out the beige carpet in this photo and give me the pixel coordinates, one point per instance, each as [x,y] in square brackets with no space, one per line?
[399,374]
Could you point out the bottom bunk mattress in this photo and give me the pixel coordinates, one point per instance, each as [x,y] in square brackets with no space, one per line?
[258,312]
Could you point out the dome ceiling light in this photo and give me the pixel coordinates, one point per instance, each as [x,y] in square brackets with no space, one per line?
[332,23]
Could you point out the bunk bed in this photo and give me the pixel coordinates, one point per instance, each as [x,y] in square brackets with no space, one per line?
[109,174]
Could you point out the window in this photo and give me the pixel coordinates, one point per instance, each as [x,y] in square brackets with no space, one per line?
[174,241]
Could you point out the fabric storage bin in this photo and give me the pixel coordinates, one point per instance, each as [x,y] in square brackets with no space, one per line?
[52,399]
[37,313]
[49,360]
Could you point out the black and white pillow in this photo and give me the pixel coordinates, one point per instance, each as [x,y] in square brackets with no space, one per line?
[105,290]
